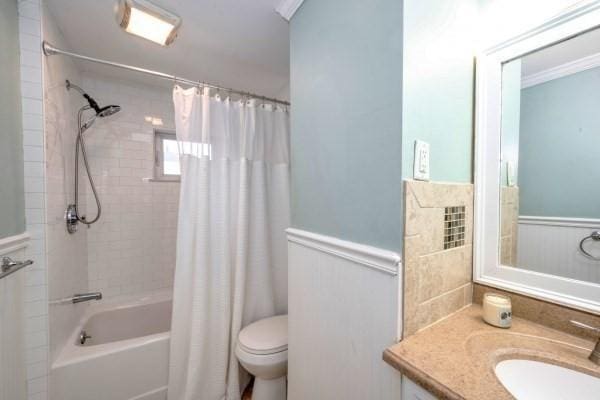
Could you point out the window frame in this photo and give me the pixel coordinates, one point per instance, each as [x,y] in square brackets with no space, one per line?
[159,136]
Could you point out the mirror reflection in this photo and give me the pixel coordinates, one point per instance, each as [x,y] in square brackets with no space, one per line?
[550,171]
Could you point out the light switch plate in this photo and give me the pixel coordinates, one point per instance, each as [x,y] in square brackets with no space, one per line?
[421,167]
[510,173]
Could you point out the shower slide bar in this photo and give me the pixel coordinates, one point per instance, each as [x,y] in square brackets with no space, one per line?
[10,267]
[50,50]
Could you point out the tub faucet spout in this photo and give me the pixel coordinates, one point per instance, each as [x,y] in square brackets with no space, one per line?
[78,298]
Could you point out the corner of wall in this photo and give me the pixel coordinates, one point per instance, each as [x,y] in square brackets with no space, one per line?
[36,291]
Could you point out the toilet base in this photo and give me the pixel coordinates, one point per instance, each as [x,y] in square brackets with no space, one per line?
[270,389]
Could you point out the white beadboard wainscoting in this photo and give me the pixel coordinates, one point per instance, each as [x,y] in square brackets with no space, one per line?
[551,245]
[13,373]
[344,311]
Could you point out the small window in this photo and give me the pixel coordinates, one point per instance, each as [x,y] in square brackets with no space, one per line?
[166,156]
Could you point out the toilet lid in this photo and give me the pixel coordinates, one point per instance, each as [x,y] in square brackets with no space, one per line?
[265,336]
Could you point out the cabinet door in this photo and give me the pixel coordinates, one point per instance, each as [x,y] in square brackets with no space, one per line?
[412,391]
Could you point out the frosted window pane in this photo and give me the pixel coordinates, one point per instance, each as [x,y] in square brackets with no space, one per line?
[170,158]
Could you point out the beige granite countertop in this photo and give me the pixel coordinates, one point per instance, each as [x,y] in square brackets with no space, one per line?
[455,358]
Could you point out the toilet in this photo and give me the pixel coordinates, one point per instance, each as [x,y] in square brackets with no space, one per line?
[262,351]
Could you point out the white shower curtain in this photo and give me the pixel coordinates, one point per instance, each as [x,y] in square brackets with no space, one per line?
[231,248]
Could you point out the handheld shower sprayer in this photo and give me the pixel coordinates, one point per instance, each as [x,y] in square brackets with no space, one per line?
[72,213]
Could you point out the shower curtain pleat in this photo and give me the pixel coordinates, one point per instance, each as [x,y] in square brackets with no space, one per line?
[231,264]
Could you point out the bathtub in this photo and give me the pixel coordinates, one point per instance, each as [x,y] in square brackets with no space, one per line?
[126,358]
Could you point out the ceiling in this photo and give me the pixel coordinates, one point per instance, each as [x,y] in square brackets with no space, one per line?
[561,53]
[242,44]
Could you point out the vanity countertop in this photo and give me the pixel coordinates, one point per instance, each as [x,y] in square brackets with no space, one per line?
[455,358]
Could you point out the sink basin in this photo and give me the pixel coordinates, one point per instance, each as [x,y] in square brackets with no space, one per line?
[534,380]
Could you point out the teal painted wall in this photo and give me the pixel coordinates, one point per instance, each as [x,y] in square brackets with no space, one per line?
[511,112]
[439,49]
[346,92]
[559,147]
[12,213]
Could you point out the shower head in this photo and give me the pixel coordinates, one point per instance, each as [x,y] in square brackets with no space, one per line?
[100,112]
[108,111]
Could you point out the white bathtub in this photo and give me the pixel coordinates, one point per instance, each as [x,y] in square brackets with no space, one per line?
[127,357]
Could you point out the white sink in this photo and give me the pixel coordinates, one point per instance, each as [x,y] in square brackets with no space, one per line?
[534,380]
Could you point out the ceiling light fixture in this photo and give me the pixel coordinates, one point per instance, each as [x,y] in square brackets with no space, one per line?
[147,20]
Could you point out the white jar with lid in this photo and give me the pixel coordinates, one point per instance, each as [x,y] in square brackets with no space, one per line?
[497,310]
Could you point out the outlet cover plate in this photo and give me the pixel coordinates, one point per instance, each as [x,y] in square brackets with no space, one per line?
[421,167]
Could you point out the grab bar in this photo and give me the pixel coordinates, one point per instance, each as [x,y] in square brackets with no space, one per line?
[9,266]
[595,236]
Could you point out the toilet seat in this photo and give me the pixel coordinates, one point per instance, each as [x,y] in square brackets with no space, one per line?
[262,351]
[264,337]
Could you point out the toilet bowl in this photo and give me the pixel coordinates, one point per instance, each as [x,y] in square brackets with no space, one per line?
[262,351]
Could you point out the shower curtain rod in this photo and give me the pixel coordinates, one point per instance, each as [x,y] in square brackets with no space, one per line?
[50,50]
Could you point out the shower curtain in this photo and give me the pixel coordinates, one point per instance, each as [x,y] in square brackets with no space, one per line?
[231,264]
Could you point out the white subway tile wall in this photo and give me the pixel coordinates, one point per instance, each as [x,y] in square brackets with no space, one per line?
[131,249]
[36,292]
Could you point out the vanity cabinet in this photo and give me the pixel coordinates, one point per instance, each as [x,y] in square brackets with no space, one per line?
[412,391]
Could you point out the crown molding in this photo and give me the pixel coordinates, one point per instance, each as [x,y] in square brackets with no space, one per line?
[560,71]
[287,8]
[577,10]
[372,257]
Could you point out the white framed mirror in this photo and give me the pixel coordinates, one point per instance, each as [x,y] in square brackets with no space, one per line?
[537,162]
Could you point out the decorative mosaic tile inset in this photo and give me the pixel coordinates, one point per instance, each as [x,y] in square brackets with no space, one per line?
[454,227]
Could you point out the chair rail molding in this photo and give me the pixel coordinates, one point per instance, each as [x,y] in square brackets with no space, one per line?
[13,243]
[385,261]
[593,223]
[287,8]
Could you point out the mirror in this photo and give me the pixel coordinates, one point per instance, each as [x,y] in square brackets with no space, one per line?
[550,160]
[537,156]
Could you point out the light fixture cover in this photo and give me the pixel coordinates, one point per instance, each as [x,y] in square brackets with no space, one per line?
[147,20]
